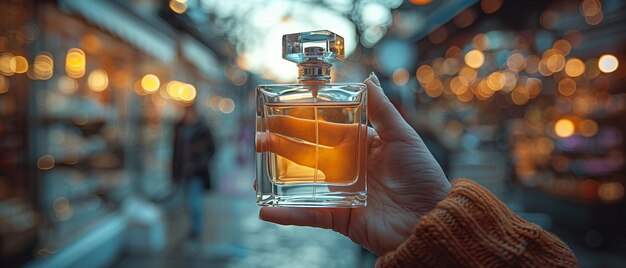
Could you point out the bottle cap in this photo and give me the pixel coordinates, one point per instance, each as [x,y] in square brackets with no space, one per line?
[314,46]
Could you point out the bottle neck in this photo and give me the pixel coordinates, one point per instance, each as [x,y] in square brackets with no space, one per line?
[318,72]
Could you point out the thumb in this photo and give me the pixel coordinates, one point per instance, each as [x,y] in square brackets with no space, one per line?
[384,117]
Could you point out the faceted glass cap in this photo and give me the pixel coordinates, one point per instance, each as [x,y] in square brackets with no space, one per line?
[313,46]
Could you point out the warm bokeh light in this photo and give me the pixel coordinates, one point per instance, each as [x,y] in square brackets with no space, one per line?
[459,85]
[608,63]
[400,76]
[515,62]
[43,66]
[563,46]
[420,2]
[481,42]
[468,73]
[4,84]
[574,67]
[474,59]
[567,87]
[172,89]
[5,64]
[75,62]
[67,85]
[187,93]
[595,19]
[439,35]
[554,60]
[226,105]
[588,128]
[434,88]
[18,64]
[425,74]
[178,6]
[46,162]
[496,81]
[150,83]
[490,6]
[520,95]
[590,7]
[611,191]
[98,80]
[564,128]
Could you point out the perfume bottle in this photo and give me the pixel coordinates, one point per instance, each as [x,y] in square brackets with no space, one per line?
[311,136]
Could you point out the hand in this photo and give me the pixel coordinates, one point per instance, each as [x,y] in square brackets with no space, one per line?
[404,183]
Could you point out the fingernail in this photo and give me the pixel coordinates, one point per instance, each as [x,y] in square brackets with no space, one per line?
[375,79]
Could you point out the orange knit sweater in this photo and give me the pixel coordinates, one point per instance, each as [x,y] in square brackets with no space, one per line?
[472,228]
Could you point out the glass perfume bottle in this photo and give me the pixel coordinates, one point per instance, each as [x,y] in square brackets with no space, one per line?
[311,136]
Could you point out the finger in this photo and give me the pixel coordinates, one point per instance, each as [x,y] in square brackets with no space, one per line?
[313,217]
[298,152]
[381,113]
[305,129]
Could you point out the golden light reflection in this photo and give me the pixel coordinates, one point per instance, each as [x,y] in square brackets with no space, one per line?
[425,74]
[98,80]
[611,191]
[150,83]
[43,66]
[187,93]
[226,105]
[178,6]
[588,128]
[483,91]
[564,128]
[75,62]
[400,76]
[533,87]
[46,162]
[574,67]
[567,87]
[18,64]
[608,63]
[474,59]
[4,84]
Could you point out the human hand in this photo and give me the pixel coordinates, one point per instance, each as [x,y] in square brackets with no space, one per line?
[405,182]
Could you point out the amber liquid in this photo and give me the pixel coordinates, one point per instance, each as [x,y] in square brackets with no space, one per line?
[314,143]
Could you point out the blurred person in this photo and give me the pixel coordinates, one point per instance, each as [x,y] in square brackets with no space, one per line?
[193,149]
[415,218]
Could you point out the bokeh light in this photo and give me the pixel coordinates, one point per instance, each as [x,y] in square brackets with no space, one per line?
[567,87]
[400,76]
[150,83]
[98,80]
[588,128]
[187,93]
[4,84]
[564,128]
[178,6]
[611,191]
[425,74]
[608,63]
[46,162]
[574,67]
[43,66]
[18,64]
[474,59]
[490,6]
[226,105]
[75,62]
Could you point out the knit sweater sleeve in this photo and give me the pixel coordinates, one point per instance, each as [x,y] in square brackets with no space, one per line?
[472,228]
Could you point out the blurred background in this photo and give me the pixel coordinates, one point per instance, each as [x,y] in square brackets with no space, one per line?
[528,98]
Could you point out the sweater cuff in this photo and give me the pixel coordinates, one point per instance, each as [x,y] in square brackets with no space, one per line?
[472,228]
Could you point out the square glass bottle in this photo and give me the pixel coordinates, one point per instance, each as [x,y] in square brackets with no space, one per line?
[311,136]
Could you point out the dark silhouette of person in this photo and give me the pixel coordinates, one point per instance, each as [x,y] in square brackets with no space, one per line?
[193,149]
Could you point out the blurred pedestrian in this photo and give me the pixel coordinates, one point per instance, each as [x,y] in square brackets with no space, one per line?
[193,149]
